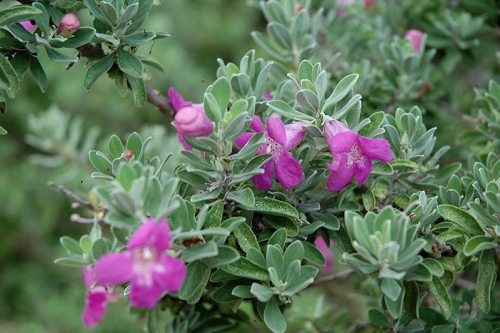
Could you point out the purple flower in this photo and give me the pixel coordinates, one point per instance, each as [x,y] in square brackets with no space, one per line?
[327,252]
[415,38]
[96,300]
[352,155]
[150,270]
[28,26]
[69,24]
[190,119]
[280,139]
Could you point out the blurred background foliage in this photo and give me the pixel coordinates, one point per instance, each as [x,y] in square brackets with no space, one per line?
[38,296]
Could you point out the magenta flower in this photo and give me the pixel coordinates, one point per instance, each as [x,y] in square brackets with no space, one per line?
[150,270]
[190,119]
[352,155]
[327,252]
[280,139]
[96,300]
[28,26]
[69,24]
[415,38]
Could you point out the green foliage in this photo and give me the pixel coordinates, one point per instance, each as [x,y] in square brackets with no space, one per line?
[420,229]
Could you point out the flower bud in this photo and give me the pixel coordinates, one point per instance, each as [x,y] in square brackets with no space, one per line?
[415,38]
[192,121]
[128,154]
[28,26]
[69,24]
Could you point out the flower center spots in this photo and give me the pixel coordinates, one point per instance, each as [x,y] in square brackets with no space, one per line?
[356,156]
[273,147]
[144,259]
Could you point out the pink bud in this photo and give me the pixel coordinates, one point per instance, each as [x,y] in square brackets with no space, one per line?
[345,2]
[69,24]
[415,38]
[28,26]
[192,121]
[128,154]
[266,96]
[367,4]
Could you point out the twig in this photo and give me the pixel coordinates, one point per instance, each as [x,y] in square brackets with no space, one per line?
[76,199]
[335,276]
[161,102]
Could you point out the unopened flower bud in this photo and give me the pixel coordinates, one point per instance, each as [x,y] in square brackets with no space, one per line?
[69,24]
[128,154]
[27,25]
[415,38]
[298,7]
[192,121]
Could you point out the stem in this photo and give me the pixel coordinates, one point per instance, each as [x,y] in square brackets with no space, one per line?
[76,199]
[161,102]
[335,276]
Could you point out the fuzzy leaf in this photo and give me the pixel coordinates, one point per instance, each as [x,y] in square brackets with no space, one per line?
[461,218]
[274,207]
[485,281]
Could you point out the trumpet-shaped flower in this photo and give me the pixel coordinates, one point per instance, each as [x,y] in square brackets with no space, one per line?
[352,155]
[280,139]
[96,299]
[149,269]
[190,118]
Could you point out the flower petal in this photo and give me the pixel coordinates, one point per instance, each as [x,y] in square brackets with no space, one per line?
[334,127]
[192,121]
[145,295]
[256,124]
[342,143]
[294,135]
[113,268]
[339,138]
[176,100]
[276,130]
[376,149]
[172,276]
[264,181]
[340,174]
[243,139]
[327,252]
[183,142]
[151,233]
[95,306]
[362,171]
[288,170]
[88,276]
